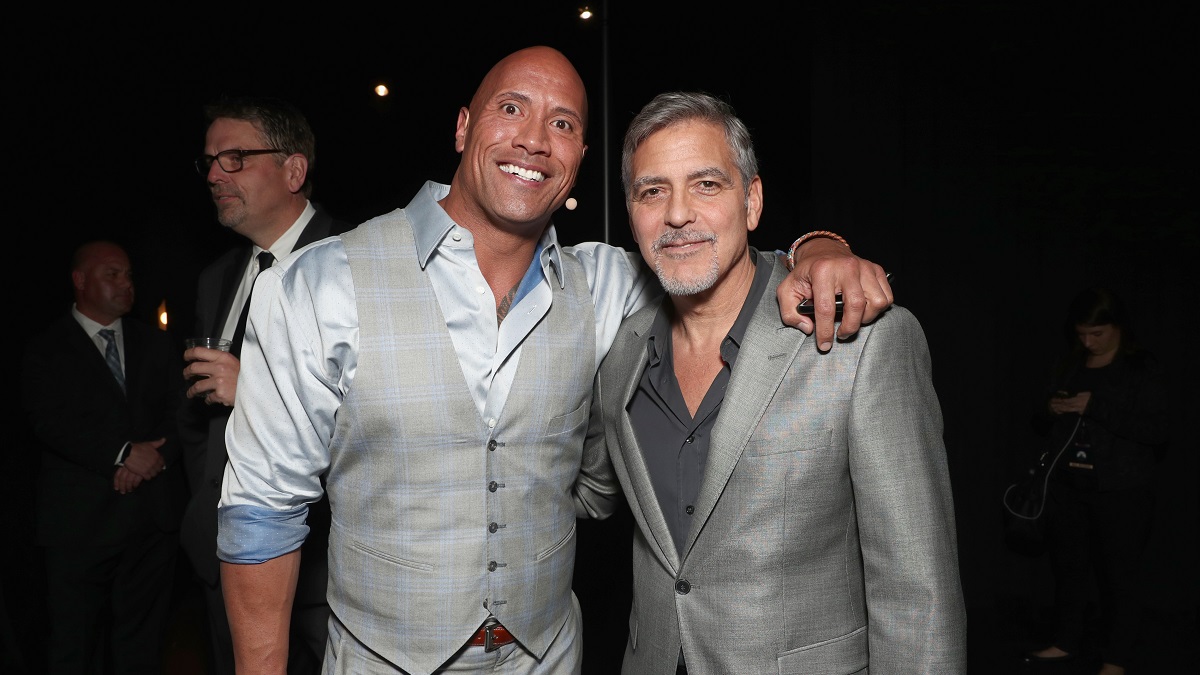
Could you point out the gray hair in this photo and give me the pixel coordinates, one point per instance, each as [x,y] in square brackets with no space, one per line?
[674,107]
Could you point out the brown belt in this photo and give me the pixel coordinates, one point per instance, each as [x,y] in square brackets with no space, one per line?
[491,637]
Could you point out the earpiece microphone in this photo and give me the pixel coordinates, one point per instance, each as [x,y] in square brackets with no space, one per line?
[571,203]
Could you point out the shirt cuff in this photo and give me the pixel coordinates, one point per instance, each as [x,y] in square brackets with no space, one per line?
[252,534]
[123,454]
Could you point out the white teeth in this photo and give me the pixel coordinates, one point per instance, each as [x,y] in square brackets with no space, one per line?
[536,176]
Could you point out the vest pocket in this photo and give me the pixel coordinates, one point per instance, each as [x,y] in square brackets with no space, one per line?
[558,546]
[565,424]
[376,553]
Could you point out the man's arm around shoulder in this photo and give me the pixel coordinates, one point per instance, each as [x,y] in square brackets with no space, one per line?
[597,493]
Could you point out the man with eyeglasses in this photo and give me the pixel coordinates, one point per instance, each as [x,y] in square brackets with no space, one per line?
[257,162]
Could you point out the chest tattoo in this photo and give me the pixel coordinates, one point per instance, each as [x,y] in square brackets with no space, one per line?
[505,304]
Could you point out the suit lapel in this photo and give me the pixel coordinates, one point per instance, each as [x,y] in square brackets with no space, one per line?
[82,343]
[229,286]
[133,347]
[767,351]
[643,500]
[316,230]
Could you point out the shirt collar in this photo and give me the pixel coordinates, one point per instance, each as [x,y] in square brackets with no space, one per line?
[286,243]
[762,277]
[92,327]
[430,225]
[661,328]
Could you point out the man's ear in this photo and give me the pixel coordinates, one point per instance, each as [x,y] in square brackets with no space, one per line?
[296,167]
[77,279]
[754,204]
[460,129]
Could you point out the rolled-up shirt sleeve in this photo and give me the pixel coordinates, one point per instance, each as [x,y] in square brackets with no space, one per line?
[298,360]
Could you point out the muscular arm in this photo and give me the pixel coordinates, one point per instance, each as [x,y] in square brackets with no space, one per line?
[258,600]
[621,283]
[597,493]
[277,439]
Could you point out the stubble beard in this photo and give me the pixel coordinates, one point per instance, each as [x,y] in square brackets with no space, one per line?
[231,216]
[231,213]
[675,285]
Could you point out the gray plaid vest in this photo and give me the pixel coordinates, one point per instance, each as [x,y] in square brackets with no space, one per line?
[437,518]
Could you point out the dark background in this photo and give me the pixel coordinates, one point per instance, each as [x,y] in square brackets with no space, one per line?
[996,157]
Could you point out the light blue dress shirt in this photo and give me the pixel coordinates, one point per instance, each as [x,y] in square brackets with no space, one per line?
[302,351]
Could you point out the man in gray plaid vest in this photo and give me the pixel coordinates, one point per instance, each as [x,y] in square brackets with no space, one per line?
[435,366]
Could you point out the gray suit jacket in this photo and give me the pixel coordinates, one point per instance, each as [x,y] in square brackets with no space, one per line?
[823,539]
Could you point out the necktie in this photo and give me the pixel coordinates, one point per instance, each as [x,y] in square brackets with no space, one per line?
[112,357]
[265,260]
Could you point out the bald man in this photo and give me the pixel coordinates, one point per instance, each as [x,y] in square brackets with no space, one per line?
[435,365]
[101,390]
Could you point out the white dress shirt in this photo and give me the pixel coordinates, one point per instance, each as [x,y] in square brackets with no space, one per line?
[280,249]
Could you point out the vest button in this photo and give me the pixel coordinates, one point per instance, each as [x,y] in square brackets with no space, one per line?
[492,527]
[492,566]
[690,509]
[492,444]
[682,587]
[492,486]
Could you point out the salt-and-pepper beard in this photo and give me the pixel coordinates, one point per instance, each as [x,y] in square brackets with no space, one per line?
[680,287]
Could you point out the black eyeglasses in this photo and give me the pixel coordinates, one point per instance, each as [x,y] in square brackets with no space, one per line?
[230,161]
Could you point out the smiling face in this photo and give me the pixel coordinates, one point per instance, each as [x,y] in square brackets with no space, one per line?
[521,142]
[689,212]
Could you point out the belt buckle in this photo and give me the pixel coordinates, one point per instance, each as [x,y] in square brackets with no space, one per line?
[488,638]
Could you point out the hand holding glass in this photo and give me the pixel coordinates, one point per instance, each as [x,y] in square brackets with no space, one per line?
[209,342]
[217,343]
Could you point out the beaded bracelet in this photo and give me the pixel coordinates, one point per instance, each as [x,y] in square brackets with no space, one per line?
[791,256]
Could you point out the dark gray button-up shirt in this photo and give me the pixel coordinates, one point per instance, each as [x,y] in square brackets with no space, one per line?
[674,443]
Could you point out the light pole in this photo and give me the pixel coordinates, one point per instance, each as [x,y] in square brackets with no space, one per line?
[586,13]
[604,104]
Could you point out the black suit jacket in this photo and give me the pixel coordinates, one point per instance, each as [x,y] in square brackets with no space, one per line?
[202,428]
[81,419]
